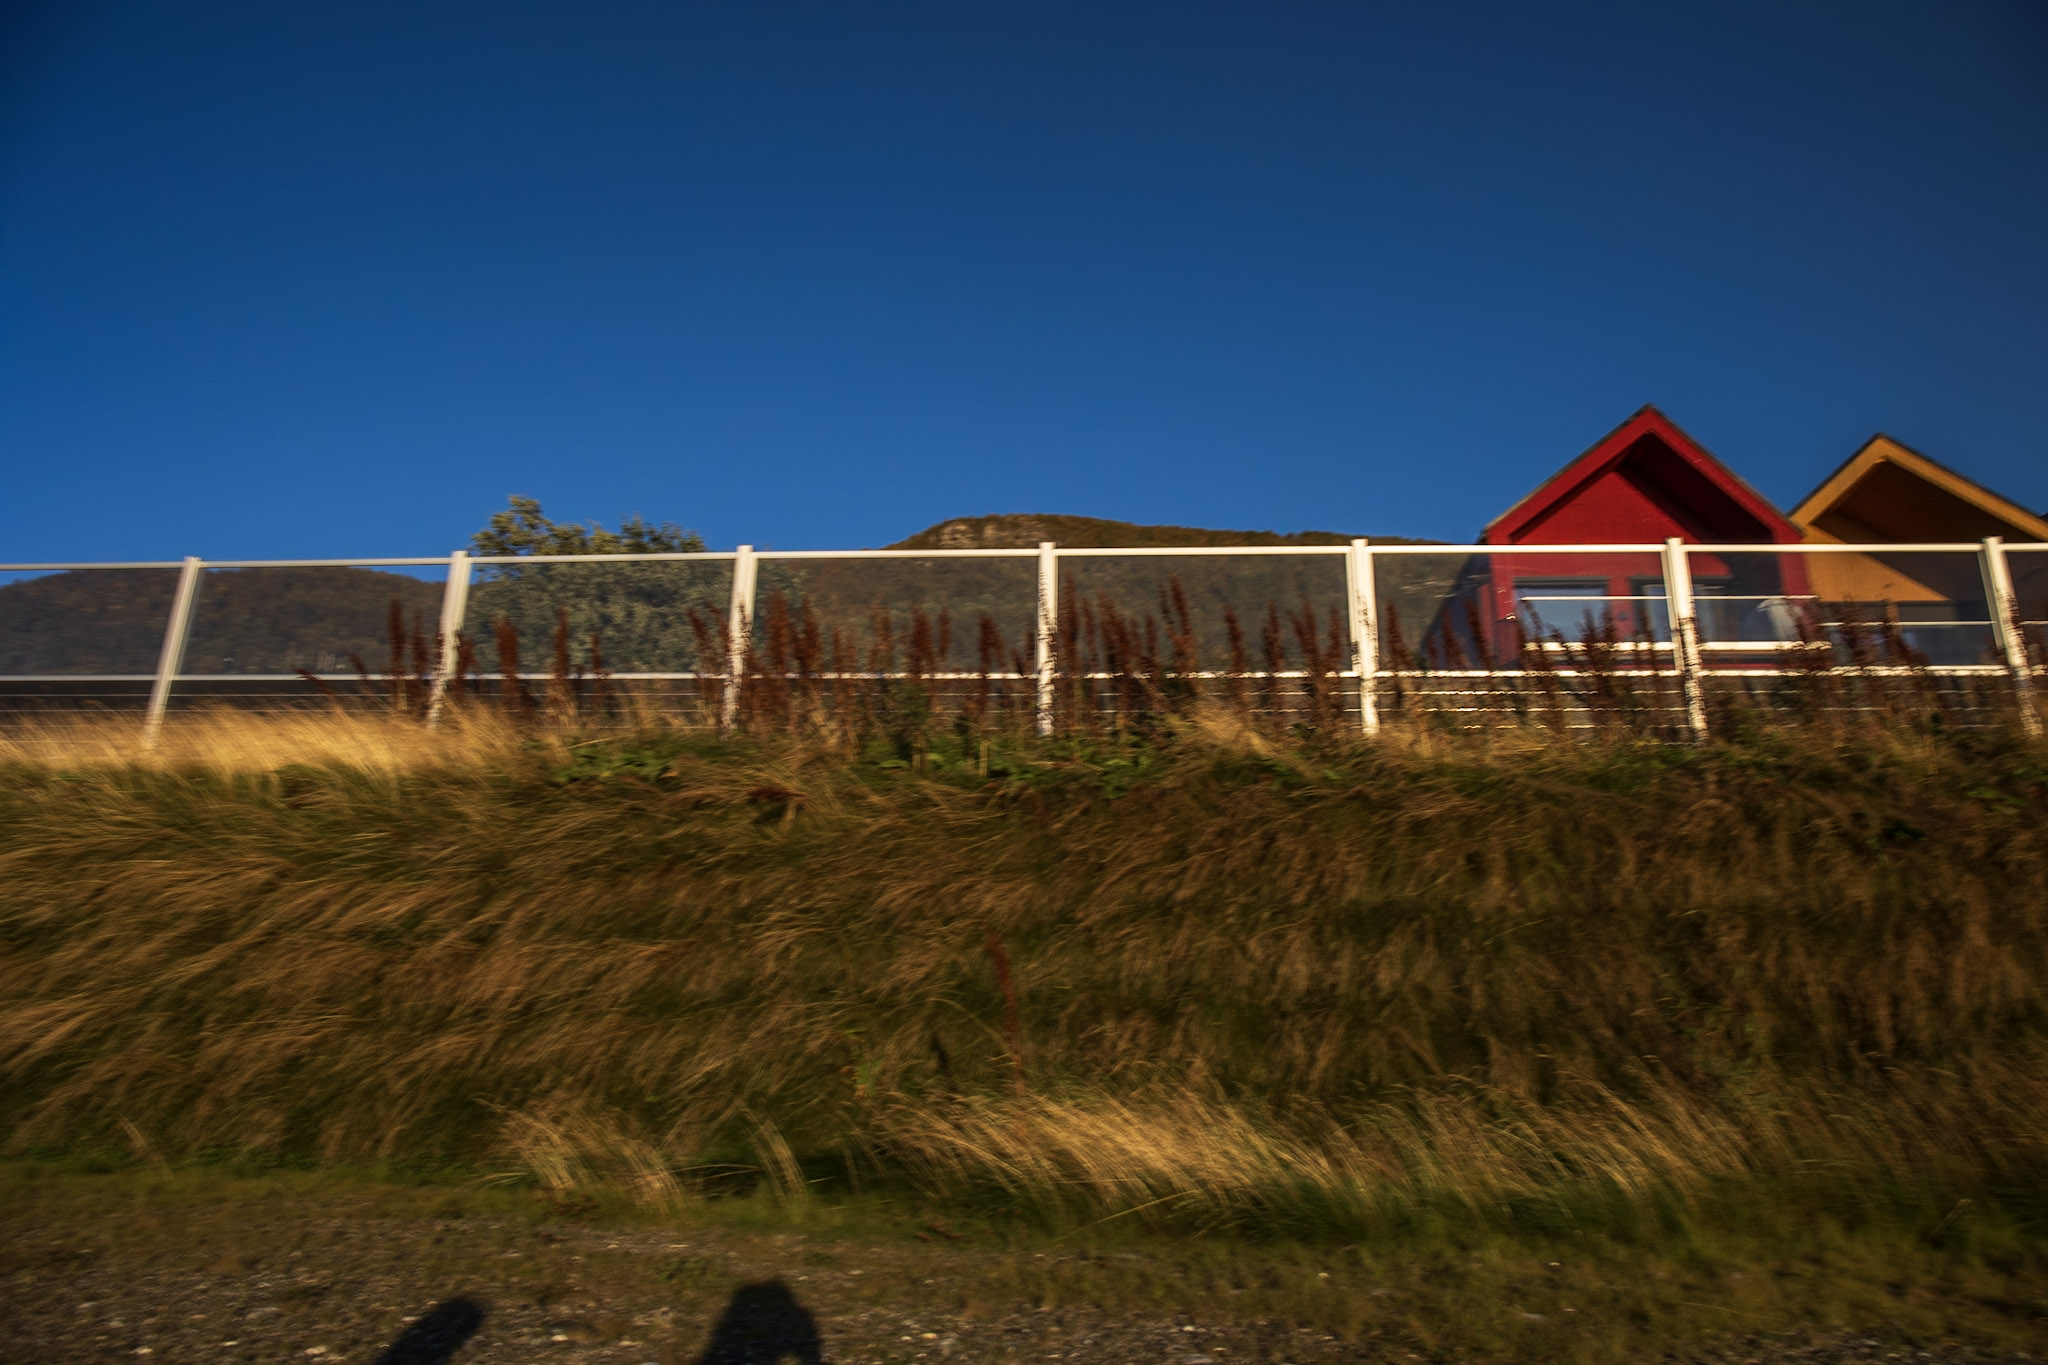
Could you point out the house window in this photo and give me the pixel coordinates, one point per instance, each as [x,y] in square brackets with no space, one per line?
[1653,607]
[1560,604]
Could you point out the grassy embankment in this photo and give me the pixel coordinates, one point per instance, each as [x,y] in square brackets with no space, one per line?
[1432,993]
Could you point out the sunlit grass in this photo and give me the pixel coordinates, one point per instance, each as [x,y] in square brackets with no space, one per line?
[225,742]
[1439,986]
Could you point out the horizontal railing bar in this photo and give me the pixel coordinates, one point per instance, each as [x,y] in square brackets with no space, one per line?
[543,678]
[897,554]
[1723,646]
[382,680]
[1637,672]
[650,557]
[1207,675]
[110,564]
[1195,551]
[1816,644]
[1828,548]
[1931,547]
[441,560]
[1522,549]
[1866,671]
[1839,625]
[1064,551]
[1838,671]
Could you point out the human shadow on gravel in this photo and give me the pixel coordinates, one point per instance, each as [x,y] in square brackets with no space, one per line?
[437,1336]
[760,1326]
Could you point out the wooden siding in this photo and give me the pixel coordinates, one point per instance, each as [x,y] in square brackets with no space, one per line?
[1645,482]
[1890,492]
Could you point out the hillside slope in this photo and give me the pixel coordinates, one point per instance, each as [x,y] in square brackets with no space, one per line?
[1022,530]
[245,620]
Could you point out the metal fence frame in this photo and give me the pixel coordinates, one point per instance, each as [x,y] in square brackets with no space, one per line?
[1689,659]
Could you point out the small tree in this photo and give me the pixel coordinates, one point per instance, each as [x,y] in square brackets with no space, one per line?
[639,611]
[524,529]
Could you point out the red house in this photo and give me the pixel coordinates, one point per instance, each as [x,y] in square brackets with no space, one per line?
[1642,483]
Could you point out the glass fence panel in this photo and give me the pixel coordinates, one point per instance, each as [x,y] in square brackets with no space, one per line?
[937,615]
[315,635]
[1264,636]
[81,639]
[907,652]
[2028,565]
[1794,607]
[1522,608]
[80,622]
[1196,612]
[623,617]
[327,619]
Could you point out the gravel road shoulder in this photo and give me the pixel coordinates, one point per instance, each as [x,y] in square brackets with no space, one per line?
[420,1277]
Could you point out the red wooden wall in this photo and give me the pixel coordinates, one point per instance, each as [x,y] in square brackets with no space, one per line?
[1643,483]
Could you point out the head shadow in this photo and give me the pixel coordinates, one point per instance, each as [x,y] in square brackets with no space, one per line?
[437,1336]
[763,1324]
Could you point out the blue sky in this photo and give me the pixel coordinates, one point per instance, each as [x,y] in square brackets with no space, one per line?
[334,279]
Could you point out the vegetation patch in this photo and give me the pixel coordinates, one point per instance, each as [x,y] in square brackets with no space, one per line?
[1437,995]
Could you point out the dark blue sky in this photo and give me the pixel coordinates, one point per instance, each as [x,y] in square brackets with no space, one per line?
[337,279]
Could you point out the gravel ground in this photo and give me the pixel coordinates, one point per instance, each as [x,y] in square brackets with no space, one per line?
[257,1282]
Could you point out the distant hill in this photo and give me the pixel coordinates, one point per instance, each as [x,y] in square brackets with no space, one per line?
[277,621]
[1214,588]
[1024,530]
[244,621]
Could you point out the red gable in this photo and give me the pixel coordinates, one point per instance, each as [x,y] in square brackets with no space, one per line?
[1643,482]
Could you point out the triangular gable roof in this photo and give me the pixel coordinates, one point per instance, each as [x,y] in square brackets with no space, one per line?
[1615,447]
[1879,455]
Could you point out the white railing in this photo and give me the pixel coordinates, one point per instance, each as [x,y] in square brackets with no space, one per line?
[1673,648]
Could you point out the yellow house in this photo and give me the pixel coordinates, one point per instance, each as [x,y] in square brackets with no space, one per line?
[1890,492]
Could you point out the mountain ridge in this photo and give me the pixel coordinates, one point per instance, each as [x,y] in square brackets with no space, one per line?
[1025,530]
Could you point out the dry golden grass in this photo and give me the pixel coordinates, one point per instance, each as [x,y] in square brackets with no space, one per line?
[228,742]
[1462,1146]
[1283,986]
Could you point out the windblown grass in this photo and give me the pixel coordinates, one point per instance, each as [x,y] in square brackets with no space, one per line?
[1318,989]
[227,744]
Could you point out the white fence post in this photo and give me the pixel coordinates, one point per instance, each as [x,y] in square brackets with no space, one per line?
[1360,587]
[2005,628]
[454,606]
[1048,627]
[739,633]
[1685,635]
[170,661]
